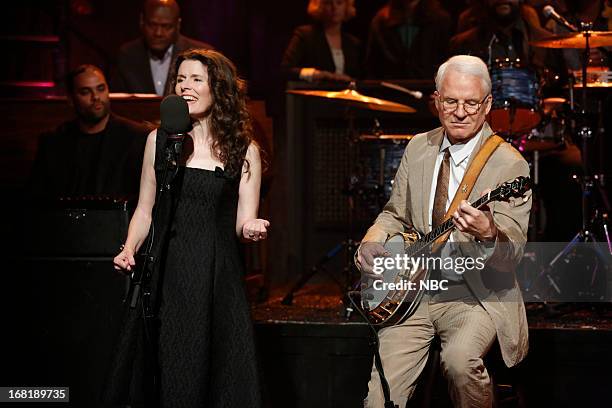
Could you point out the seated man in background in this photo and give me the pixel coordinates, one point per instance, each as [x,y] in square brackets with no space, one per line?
[143,64]
[97,153]
[478,12]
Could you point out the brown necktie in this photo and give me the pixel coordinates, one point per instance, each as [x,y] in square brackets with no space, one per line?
[439,206]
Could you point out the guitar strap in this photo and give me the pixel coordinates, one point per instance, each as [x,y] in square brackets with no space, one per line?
[469,178]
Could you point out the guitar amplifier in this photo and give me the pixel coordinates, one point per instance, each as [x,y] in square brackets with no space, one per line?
[77,227]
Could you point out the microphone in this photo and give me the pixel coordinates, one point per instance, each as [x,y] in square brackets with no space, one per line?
[174,115]
[414,94]
[175,121]
[490,49]
[550,12]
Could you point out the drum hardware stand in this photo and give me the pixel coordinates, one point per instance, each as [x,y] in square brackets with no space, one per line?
[546,274]
[586,133]
[606,233]
[348,246]
[536,222]
[587,180]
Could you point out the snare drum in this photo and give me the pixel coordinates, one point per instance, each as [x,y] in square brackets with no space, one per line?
[516,99]
[597,77]
[379,159]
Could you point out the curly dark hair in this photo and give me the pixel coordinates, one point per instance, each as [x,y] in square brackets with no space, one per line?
[229,118]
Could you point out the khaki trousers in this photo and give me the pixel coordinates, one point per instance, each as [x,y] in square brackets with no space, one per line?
[466,332]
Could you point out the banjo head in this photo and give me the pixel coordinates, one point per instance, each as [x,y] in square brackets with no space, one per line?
[371,296]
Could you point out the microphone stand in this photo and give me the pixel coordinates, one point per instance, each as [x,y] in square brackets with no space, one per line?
[142,293]
[172,152]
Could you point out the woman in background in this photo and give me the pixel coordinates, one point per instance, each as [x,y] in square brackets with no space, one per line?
[322,51]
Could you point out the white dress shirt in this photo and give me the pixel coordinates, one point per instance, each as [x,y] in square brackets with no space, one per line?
[338,57]
[159,70]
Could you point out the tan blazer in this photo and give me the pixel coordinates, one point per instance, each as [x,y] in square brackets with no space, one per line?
[495,286]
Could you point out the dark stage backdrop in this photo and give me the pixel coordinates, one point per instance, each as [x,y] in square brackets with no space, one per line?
[253,33]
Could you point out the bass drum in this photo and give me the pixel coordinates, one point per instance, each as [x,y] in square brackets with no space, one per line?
[517,103]
[552,132]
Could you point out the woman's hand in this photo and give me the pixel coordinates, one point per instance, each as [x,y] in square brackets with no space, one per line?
[319,75]
[125,260]
[255,229]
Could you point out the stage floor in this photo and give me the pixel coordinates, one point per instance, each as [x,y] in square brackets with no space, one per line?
[322,304]
[312,355]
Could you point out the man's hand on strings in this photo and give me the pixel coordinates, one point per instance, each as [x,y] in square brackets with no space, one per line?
[478,223]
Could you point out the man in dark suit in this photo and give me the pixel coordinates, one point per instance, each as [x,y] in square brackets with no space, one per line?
[97,153]
[143,65]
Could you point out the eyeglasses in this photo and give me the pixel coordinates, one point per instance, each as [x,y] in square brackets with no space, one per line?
[470,107]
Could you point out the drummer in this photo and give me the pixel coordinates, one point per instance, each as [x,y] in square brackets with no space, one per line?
[505,33]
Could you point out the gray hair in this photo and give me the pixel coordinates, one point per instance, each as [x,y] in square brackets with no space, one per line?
[465,64]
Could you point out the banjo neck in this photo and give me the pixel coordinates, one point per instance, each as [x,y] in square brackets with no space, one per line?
[430,238]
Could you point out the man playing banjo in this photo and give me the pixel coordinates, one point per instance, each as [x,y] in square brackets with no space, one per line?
[479,306]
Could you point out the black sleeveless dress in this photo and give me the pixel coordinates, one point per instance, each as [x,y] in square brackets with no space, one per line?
[205,349]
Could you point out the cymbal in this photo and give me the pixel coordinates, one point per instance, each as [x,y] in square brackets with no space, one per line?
[576,40]
[354,98]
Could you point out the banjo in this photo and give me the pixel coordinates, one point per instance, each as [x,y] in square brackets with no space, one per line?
[395,294]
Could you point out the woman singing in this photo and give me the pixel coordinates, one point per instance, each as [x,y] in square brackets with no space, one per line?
[205,349]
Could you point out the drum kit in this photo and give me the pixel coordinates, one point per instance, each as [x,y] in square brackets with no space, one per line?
[369,181]
[519,113]
[379,153]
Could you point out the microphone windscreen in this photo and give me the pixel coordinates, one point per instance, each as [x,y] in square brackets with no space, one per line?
[174,115]
[548,10]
